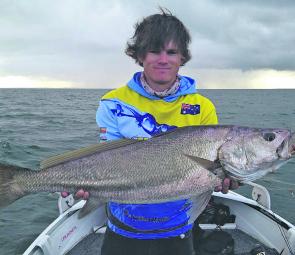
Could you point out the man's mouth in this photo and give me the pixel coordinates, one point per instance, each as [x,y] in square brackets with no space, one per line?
[162,68]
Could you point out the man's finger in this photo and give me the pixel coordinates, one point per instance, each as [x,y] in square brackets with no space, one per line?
[218,188]
[86,195]
[80,193]
[64,194]
[225,185]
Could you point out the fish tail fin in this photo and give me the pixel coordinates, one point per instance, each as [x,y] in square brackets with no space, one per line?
[10,190]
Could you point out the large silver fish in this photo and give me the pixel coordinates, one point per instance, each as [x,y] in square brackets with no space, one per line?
[174,165]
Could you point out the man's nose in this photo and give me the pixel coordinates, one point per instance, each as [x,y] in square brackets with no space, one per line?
[163,57]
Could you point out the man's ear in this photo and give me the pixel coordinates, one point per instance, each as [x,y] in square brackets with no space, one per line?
[182,61]
[140,61]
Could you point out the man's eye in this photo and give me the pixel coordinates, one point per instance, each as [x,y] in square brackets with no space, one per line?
[171,52]
[154,51]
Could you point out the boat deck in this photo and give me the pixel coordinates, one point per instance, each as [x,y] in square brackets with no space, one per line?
[91,244]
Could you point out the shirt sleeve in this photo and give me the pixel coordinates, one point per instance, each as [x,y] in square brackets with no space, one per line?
[107,123]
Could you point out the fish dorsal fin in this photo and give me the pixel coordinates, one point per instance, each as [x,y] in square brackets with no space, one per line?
[89,150]
[207,164]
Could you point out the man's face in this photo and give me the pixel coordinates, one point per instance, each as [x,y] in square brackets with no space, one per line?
[161,67]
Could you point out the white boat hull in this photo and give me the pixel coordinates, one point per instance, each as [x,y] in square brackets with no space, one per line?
[254,219]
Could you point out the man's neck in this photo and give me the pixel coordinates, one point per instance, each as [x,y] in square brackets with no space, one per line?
[163,91]
[158,87]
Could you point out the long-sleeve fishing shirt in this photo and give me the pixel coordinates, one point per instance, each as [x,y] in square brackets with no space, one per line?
[131,112]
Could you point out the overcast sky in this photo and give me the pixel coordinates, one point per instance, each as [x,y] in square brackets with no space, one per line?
[63,43]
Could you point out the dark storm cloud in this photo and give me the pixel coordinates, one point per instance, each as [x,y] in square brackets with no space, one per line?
[243,34]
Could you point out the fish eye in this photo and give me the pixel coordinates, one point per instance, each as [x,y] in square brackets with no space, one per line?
[269,136]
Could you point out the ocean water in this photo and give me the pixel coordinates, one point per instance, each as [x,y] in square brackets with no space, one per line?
[38,123]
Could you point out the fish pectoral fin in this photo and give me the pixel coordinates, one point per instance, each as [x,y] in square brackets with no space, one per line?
[90,206]
[207,164]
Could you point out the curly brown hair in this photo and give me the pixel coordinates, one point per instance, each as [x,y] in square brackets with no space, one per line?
[154,32]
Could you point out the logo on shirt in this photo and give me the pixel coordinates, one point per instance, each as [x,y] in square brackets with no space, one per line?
[102,130]
[102,133]
[190,109]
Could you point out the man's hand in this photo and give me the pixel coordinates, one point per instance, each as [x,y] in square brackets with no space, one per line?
[227,184]
[80,194]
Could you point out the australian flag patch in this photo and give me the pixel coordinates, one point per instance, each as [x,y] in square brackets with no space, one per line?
[190,109]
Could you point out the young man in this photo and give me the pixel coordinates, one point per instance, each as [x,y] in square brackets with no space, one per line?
[154,101]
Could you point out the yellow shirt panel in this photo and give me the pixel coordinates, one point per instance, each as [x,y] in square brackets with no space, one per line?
[169,112]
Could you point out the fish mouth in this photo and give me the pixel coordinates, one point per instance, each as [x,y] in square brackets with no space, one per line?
[282,150]
[287,147]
